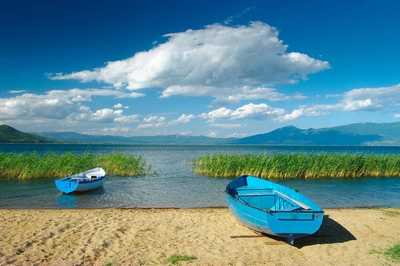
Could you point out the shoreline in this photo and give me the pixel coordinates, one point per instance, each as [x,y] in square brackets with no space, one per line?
[149,236]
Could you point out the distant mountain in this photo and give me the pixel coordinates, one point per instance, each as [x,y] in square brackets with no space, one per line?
[168,139]
[360,134]
[373,134]
[11,135]
[389,133]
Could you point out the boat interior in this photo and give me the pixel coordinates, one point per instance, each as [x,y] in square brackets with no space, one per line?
[267,199]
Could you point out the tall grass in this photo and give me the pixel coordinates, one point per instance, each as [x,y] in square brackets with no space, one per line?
[299,165]
[30,165]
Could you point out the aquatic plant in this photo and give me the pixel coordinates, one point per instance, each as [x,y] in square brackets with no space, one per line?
[299,165]
[30,165]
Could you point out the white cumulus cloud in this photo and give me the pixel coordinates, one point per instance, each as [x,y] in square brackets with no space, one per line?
[63,105]
[215,61]
[249,111]
[371,99]
[364,99]
[318,110]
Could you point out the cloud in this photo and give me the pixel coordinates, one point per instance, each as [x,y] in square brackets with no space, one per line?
[332,96]
[317,110]
[108,115]
[31,105]
[184,118]
[80,95]
[232,18]
[127,119]
[221,113]
[156,121]
[226,126]
[63,105]
[117,131]
[364,99]
[257,93]
[152,119]
[104,115]
[371,99]
[215,61]
[16,91]
[249,111]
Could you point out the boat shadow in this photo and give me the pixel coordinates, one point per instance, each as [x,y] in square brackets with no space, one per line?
[330,232]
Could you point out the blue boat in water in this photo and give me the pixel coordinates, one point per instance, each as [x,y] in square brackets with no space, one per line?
[88,180]
[273,209]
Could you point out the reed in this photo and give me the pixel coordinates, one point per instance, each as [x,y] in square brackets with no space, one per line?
[30,165]
[299,165]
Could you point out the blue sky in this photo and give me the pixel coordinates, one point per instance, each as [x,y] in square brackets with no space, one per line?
[212,68]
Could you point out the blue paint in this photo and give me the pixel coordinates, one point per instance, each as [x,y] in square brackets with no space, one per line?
[81,182]
[273,209]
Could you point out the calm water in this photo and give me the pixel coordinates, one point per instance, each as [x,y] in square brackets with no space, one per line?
[174,185]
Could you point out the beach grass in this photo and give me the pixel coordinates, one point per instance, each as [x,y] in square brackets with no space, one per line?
[29,165]
[299,165]
[393,253]
[176,258]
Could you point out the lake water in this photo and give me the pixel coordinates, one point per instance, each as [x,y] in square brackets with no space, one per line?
[174,185]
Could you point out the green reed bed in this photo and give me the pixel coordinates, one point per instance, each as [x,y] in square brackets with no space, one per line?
[30,165]
[299,165]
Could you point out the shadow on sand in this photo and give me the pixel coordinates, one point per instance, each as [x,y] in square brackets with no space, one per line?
[330,232]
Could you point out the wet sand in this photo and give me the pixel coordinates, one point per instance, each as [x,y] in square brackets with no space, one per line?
[212,235]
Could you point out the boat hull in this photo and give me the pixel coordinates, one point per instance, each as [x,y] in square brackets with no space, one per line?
[273,209]
[82,182]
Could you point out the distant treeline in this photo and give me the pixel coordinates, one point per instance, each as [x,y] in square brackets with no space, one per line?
[30,165]
[299,165]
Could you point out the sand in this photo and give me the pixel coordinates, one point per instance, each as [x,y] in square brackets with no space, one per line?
[211,235]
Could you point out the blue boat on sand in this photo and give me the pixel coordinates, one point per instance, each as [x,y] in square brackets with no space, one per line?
[273,209]
[88,180]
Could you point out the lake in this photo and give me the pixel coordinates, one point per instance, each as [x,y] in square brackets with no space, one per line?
[174,185]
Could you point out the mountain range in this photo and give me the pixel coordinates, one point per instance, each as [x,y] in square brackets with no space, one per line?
[11,135]
[359,134]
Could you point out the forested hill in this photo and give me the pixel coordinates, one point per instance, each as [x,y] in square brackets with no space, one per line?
[11,135]
[373,134]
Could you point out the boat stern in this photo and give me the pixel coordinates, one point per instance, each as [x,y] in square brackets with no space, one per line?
[66,185]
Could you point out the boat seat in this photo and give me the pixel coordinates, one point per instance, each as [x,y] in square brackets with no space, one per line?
[256,194]
[294,208]
[293,201]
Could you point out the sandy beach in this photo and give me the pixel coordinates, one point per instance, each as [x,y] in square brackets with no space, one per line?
[211,235]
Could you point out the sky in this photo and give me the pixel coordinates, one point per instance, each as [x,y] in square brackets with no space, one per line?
[200,68]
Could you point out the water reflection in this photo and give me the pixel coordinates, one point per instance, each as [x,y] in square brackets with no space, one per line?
[97,191]
[66,202]
[80,199]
